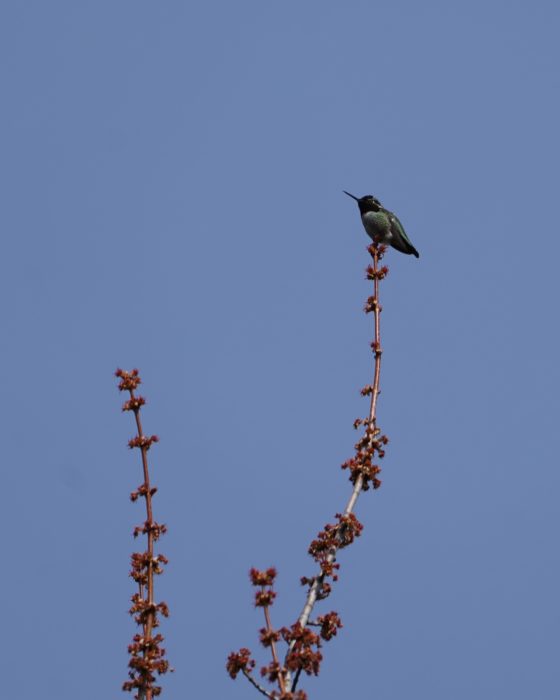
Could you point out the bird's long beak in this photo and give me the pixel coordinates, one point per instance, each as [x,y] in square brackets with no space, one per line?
[350,195]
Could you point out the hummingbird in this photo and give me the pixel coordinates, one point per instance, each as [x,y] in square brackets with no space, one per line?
[382,226]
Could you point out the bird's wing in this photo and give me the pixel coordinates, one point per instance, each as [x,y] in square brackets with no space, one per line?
[397,227]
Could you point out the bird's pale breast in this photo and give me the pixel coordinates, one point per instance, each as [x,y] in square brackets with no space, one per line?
[377,225]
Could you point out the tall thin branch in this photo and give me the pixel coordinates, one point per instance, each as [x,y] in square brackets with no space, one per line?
[146,652]
[371,430]
[303,645]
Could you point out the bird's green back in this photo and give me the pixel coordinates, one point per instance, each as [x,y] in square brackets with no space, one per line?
[397,226]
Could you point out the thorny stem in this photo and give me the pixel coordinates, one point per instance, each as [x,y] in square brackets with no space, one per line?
[317,584]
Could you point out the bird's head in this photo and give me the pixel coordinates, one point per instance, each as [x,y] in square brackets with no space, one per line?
[366,203]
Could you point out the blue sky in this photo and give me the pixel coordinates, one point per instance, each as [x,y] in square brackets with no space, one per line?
[172,179]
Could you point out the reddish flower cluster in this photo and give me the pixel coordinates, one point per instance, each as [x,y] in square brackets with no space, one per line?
[372,273]
[330,624]
[239,661]
[337,536]
[143,441]
[141,563]
[150,527]
[146,659]
[129,380]
[265,597]
[274,673]
[268,637]
[134,404]
[304,654]
[361,464]
[329,540]
[262,578]
[370,305]
[146,651]
[141,609]
[142,490]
